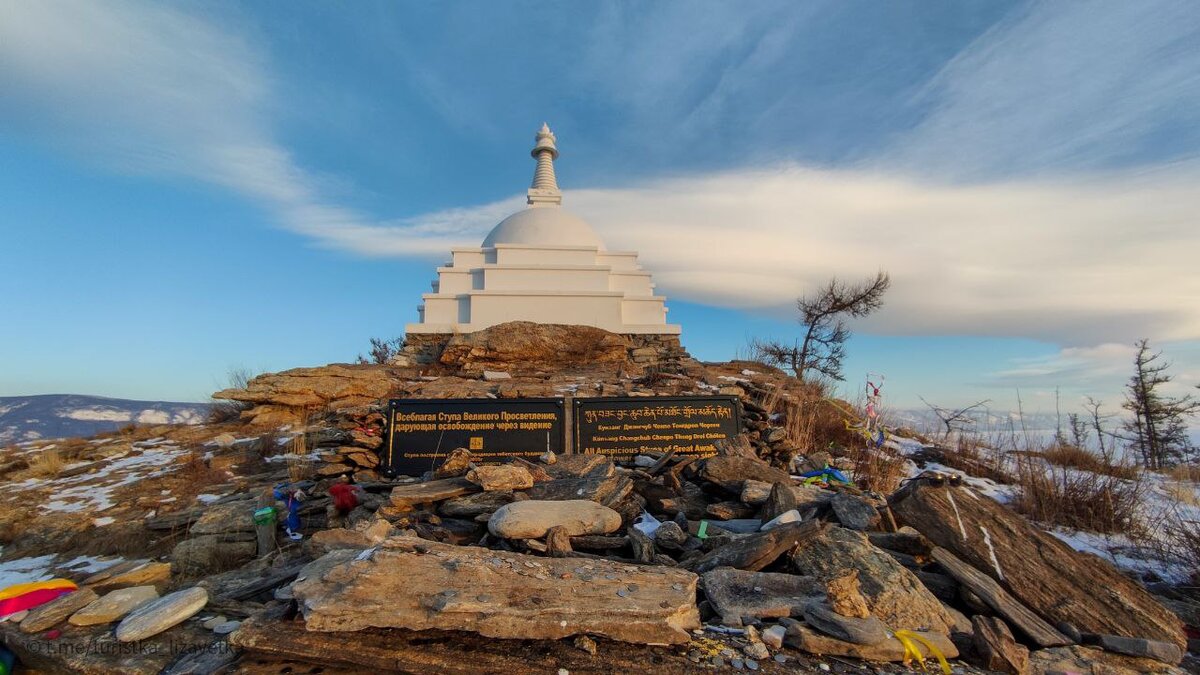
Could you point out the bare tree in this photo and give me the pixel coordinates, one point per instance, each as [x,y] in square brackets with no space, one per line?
[823,314]
[1098,419]
[1158,429]
[382,351]
[955,419]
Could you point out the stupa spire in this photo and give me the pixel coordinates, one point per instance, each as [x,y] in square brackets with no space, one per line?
[544,190]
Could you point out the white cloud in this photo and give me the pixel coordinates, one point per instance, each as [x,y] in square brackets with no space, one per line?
[149,88]
[1109,259]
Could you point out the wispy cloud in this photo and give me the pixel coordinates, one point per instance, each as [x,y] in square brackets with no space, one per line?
[1079,260]
[1063,86]
[148,88]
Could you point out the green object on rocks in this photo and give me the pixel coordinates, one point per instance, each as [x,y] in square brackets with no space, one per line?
[265,516]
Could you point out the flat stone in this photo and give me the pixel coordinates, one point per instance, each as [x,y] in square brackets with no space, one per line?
[496,375]
[235,516]
[44,617]
[868,631]
[113,605]
[418,584]
[501,477]
[474,505]
[854,512]
[1150,649]
[158,615]
[738,596]
[226,627]
[432,491]
[808,640]
[731,472]
[532,519]
[150,573]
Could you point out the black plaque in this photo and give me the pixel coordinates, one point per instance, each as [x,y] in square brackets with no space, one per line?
[621,427]
[422,432]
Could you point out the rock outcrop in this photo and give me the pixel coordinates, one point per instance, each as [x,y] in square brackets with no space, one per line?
[1043,573]
[893,593]
[279,397]
[417,584]
[522,345]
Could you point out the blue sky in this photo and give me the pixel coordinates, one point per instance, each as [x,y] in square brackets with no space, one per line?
[195,186]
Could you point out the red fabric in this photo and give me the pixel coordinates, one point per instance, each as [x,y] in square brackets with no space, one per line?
[31,599]
[345,497]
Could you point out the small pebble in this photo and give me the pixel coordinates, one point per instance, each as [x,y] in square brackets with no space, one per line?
[483,597]
[781,658]
[737,664]
[623,593]
[752,664]
[227,627]
[823,666]
[631,587]
[718,661]
[586,644]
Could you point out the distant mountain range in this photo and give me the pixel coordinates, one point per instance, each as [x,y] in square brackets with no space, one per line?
[28,418]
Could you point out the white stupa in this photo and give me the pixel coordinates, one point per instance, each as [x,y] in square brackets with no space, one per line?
[543,264]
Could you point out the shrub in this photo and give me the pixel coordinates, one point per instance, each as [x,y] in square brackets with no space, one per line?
[1081,500]
[1074,457]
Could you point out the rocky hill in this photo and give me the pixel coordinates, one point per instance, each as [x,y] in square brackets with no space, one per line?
[797,547]
[29,418]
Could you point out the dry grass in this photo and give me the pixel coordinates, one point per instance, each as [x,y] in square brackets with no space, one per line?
[1096,502]
[877,469]
[1074,457]
[1185,472]
[47,464]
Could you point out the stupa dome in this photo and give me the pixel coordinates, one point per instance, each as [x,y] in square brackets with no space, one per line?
[543,225]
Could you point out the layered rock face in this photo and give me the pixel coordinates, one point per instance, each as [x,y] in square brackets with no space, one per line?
[418,584]
[519,345]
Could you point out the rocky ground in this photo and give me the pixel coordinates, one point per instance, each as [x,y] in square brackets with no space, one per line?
[571,563]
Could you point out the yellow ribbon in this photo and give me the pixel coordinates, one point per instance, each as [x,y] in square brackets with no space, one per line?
[911,651]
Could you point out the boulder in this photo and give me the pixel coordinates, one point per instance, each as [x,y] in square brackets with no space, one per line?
[44,617]
[417,585]
[235,516]
[732,471]
[1039,570]
[737,595]
[209,553]
[158,615]
[863,631]
[893,593]
[113,605]
[854,512]
[516,344]
[501,477]
[531,519]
